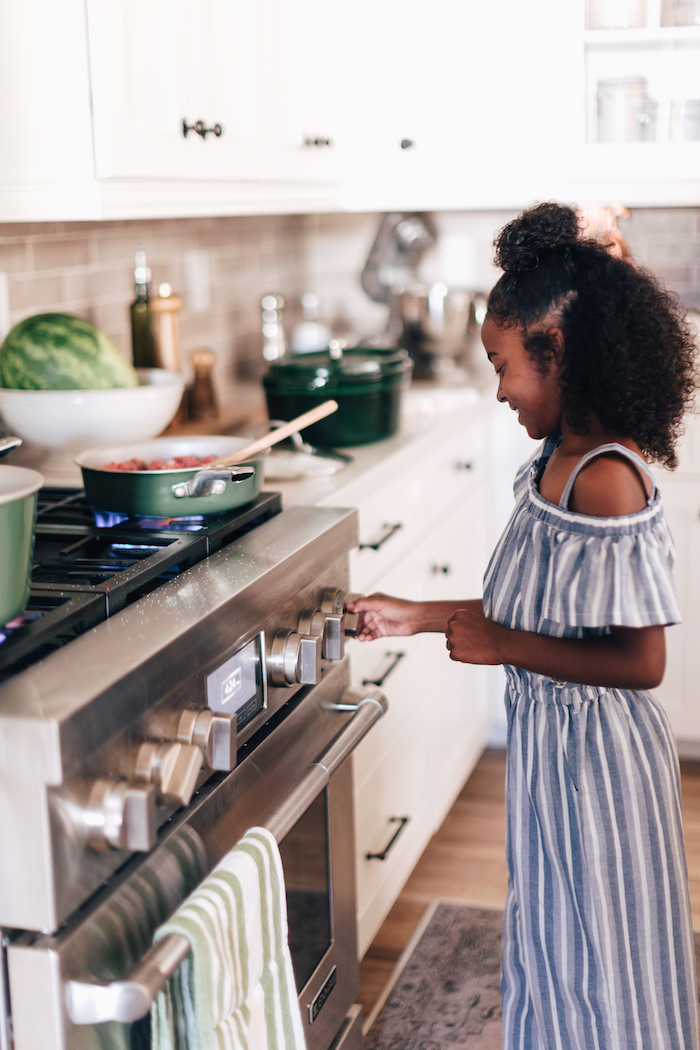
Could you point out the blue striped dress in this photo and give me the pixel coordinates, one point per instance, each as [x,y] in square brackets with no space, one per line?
[598,946]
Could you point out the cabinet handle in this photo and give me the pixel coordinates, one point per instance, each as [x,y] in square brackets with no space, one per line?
[379,682]
[402,822]
[464,465]
[391,529]
[318,142]
[200,128]
[407,143]
[444,569]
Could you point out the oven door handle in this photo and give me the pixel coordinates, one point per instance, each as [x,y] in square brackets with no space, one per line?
[129,1000]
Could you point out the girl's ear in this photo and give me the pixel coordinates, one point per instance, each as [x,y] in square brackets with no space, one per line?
[556,342]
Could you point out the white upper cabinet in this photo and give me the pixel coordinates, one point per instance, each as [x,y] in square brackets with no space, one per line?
[147,108]
[207,89]
[141,91]
[313,105]
[459,105]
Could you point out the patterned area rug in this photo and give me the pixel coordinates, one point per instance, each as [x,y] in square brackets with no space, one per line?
[448,993]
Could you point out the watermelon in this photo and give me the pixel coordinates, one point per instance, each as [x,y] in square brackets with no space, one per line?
[61,352]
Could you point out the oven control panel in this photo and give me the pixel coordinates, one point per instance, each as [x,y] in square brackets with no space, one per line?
[238,686]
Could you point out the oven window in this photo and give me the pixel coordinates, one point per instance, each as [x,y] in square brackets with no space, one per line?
[305,857]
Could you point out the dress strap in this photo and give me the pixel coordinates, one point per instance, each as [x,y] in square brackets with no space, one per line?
[619,450]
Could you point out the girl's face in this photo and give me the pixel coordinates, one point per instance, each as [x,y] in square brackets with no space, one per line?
[534,395]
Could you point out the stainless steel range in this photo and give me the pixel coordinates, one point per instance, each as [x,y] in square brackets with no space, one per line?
[172,681]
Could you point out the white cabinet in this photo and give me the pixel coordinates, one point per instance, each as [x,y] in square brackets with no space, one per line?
[482,97]
[95,93]
[240,77]
[680,692]
[412,765]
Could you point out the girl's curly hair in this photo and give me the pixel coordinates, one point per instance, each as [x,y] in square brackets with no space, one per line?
[629,354]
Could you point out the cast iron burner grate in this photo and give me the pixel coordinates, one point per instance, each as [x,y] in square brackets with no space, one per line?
[90,564]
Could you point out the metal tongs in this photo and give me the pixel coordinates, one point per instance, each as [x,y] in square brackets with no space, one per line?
[212,481]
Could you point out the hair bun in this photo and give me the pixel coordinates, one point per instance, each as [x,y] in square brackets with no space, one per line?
[521,244]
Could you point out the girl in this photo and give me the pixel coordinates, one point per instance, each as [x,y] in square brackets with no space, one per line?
[596,360]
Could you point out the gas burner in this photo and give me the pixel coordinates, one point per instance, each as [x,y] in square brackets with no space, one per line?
[88,565]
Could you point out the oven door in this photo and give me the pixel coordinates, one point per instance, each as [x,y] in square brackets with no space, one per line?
[86,987]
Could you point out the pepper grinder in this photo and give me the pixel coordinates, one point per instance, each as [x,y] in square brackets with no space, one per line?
[165,311]
[202,401]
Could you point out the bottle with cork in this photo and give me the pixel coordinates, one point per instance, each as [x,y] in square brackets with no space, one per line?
[143,343]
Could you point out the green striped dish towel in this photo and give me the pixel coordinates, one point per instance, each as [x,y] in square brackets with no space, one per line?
[235,990]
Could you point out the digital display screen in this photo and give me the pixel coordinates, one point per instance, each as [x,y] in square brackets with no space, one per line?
[236,687]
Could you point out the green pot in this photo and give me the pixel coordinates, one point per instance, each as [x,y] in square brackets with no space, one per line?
[148,493]
[367,383]
[18,499]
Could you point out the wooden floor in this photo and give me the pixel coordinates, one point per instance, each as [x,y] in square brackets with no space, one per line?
[465,861]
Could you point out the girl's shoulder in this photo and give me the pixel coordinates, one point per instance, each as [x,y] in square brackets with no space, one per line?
[611,485]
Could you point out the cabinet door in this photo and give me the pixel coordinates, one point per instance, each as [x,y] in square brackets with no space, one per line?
[302,91]
[457,696]
[139,68]
[232,65]
[475,93]
[679,690]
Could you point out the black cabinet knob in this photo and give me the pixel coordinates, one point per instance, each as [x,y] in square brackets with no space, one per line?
[407,143]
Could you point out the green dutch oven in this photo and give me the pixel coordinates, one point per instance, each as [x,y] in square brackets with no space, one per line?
[18,499]
[367,383]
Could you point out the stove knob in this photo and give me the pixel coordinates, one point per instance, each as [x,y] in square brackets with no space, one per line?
[351,619]
[294,659]
[173,768]
[332,604]
[317,623]
[119,815]
[313,622]
[213,733]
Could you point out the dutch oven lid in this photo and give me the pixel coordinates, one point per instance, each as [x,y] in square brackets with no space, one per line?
[358,364]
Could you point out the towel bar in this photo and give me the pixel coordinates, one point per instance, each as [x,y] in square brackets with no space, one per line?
[131,999]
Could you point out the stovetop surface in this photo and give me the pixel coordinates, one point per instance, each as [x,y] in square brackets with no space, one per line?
[89,564]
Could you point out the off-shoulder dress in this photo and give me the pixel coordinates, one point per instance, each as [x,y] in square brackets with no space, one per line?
[598,946]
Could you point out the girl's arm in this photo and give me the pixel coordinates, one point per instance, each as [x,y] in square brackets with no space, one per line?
[628,658]
[382,616]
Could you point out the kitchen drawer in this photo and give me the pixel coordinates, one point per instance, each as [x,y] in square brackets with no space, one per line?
[396,789]
[403,688]
[391,520]
[453,470]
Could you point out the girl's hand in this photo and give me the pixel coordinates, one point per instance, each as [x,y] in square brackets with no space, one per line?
[382,616]
[472,639]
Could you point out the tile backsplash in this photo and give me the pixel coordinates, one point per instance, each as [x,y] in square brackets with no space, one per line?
[86,268]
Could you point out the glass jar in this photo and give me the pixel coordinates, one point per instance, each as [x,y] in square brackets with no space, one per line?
[624,110]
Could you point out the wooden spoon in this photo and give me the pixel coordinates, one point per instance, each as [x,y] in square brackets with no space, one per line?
[294,425]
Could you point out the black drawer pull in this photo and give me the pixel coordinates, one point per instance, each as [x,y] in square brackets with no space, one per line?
[402,822]
[444,569]
[464,465]
[391,530]
[379,682]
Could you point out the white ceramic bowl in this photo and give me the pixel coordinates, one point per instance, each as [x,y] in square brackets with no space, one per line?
[72,420]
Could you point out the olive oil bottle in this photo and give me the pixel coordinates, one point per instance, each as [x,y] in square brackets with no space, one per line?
[143,343]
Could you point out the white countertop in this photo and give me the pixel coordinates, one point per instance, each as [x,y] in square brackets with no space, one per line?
[427,410]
